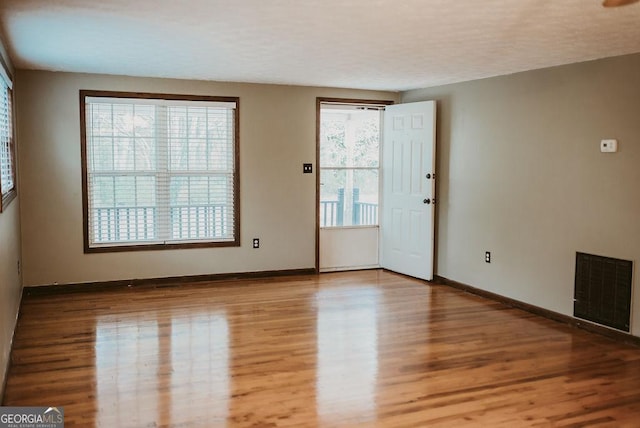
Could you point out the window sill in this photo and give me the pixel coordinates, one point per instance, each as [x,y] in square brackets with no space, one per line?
[158,246]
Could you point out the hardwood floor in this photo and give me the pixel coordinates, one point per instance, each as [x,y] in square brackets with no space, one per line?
[367,348]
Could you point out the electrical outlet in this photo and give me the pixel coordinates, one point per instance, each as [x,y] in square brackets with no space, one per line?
[256,242]
[609,146]
[487,256]
[307,168]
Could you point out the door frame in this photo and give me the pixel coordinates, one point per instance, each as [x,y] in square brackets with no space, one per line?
[319,101]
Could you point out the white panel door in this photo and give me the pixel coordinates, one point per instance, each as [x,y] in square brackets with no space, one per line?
[408,189]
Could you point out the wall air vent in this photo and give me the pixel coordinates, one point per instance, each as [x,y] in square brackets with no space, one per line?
[603,290]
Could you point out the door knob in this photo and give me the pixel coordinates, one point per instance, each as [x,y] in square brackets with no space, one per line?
[426,201]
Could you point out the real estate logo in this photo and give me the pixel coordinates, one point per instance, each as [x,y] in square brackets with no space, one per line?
[31,417]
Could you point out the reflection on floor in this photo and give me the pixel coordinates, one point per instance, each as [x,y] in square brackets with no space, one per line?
[368,348]
[347,343]
[180,363]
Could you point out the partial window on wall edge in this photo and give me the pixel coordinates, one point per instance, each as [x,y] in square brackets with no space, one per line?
[159,171]
[7,140]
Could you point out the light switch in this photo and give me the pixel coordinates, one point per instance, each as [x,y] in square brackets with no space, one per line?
[609,146]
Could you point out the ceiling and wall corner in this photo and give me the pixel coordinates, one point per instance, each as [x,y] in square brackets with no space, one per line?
[381,44]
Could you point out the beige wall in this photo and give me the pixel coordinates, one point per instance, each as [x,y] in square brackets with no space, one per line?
[10,282]
[277,134]
[521,175]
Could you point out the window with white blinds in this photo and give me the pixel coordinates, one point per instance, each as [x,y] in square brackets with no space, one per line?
[7,162]
[160,171]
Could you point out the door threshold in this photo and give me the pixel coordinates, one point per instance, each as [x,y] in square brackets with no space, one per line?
[348,268]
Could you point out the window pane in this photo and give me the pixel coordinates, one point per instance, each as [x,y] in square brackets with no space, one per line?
[197,122]
[103,192]
[348,197]
[349,164]
[160,171]
[198,191]
[123,208]
[220,123]
[101,117]
[365,205]
[144,121]
[123,120]
[220,189]
[121,137]
[333,150]
[145,191]
[201,207]
[179,155]
[366,150]
[6,141]
[349,138]
[101,152]
[125,191]
[177,117]
[193,145]
[123,154]
[179,190]
[220,156]
[145,154]
[197,154]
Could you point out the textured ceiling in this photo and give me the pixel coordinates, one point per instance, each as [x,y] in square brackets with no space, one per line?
[372,44]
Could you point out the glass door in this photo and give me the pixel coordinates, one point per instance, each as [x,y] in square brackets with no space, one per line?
[349,147]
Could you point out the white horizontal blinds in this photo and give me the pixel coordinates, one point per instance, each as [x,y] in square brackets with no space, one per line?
[201,199]
[160,171]
[121,173]
[6,135]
